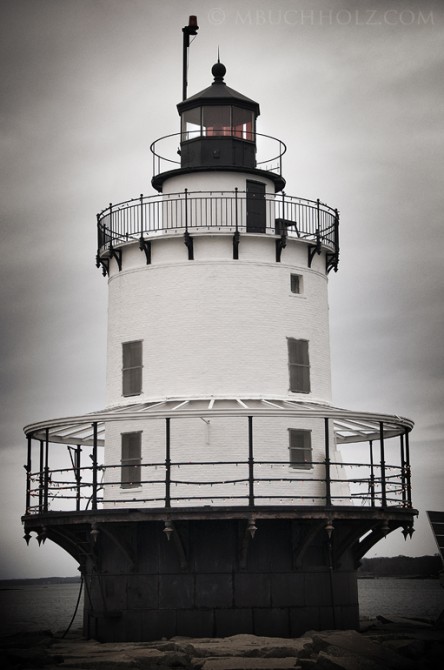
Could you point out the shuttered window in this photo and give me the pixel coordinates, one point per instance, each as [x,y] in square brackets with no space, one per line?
[300,449]
[299,366]
[131,459]
[296,283]
[132,368]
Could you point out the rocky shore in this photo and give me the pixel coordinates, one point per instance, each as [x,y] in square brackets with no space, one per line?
[401,644]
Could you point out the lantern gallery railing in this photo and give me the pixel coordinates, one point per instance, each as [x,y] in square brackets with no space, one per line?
[145,218]
[78,479]
[268,150]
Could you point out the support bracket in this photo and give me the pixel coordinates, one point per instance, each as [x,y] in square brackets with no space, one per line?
[314,249]
[331,262]
[299,551]
[104,263]
[145,245]
[188,241]
[281,243]
[116,254]
[236,240]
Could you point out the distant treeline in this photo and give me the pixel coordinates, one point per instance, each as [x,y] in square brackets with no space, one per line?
[401,566]
[397,566]
[15,583]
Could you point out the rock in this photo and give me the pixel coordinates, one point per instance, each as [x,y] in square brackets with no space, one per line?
[404,622]
[246,663]
[351,643]
[252,646]
[387,647]
[411,648]
[326,661]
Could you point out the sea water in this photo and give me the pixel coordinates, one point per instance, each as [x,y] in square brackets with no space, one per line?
[30,607]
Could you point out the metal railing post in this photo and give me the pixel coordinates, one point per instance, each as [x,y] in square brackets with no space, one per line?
[78,475]
[383,482]
[28,467]
[327,463]
[236,237]
[141,216]
[46,476]
[372,475]
[41,480]
[250,463]
[403,471]
[94,468]
[167,462]
[408,470]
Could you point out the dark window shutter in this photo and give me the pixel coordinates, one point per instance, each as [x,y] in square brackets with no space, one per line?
[300,449]
[295,283]
[131,368]
[299,366]
[131,459]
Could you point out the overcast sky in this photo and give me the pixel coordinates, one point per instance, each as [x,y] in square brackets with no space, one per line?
[355,90]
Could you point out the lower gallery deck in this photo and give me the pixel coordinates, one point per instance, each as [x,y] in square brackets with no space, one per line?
[158,562]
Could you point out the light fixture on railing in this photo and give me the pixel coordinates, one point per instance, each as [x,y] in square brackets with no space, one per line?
[94,532]
[329,528]
[252,528]
[168,530]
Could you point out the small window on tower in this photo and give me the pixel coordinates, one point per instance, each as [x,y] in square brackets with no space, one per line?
[296,283]
[300,449]
[132,368]
[298,365]
[131,459]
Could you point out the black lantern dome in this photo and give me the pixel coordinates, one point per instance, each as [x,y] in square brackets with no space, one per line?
[218,133]
[218,126]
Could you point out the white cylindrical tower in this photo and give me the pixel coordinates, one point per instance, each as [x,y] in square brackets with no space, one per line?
[218,293]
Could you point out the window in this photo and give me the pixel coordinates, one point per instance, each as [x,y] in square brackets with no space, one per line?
[300,449]
[131,368]
[299,366]
[191,124]
[130,461]
[216,120]
[243,123]
[296,283]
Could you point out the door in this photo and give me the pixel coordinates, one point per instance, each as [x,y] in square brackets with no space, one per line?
[255,207]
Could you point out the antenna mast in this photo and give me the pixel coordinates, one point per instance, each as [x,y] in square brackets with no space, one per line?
[190,29]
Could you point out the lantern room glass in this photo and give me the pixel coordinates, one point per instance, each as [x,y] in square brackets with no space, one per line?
[217,121]
[243,123]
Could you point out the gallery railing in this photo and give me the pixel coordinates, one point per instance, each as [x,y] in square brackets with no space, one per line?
[247,482]
[188,212]
[268,150]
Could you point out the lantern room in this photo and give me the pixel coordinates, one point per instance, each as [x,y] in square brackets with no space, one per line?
[218,126]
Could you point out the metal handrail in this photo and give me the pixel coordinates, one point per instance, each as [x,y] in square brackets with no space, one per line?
[160,158]
[370,488]
[221,211]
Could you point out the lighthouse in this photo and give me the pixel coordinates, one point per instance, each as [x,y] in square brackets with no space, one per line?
[210,496]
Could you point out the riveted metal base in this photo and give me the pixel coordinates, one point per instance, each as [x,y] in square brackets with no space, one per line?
[203,574]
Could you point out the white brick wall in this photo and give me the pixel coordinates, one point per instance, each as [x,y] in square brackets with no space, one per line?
[199,440]
[216,326]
